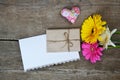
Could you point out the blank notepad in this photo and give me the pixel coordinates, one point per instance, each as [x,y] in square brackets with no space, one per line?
[34,53]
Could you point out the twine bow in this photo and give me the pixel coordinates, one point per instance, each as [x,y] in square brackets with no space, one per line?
[67,41]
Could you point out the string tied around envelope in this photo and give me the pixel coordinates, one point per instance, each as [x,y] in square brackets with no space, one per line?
[67,40]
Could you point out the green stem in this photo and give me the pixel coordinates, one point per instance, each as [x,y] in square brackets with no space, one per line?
[116,41]
[117,46]
[117,32]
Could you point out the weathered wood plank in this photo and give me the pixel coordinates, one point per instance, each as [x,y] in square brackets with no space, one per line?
[25,18]
[29,20]
[60,75]
[10,59]
[53,2]
[105,2]
[33,20]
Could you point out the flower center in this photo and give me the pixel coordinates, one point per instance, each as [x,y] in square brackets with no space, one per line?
[92,31]
[92,49]
[106,38]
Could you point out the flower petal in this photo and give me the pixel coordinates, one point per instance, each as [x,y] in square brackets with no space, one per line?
[99,53]
[113,31]
[87,57]
[85,45]
[93,60]
[106,36]
[100,49]
[95,45]
[84,52]
[111,43]
[98,58]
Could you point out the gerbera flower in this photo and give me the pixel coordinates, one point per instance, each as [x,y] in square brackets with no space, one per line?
[91,52]
[105,38]
[92,28]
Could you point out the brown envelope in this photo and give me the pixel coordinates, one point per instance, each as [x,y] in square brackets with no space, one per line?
[63,40]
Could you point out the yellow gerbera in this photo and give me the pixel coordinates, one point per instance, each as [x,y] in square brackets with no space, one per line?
[92,28]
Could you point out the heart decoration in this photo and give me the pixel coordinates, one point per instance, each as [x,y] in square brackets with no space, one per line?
[71,15]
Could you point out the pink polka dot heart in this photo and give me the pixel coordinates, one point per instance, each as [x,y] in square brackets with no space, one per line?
[71,15]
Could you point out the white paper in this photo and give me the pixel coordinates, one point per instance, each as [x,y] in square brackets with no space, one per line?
[34,53]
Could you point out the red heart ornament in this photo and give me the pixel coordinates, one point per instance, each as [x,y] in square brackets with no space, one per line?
[71,15]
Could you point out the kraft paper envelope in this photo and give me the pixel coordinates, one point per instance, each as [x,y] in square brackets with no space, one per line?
[63,40]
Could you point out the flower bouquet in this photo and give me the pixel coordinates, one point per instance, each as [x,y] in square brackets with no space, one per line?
[96,37]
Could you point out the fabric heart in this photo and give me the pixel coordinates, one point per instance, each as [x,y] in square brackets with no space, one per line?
[71,15]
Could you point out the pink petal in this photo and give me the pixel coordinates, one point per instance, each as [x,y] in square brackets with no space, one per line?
[84,52]
[93,60]
[88,50]
[72,20]
[95,56]
[100,53]
[95,45]
[98,58]
[85,45]
[101,49]
[87,57]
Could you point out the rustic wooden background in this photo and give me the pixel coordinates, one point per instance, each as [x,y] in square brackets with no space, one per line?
[24,18]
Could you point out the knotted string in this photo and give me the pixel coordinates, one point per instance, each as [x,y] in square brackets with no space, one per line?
[67,40]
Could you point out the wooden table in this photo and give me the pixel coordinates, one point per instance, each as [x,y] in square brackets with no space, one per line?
[25,18]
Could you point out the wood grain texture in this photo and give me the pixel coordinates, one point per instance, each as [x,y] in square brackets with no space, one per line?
[25,18]
[60,75]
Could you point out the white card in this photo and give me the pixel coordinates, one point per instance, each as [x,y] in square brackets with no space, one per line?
[34,53]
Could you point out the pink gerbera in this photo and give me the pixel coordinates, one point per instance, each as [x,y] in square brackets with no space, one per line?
[91,52]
